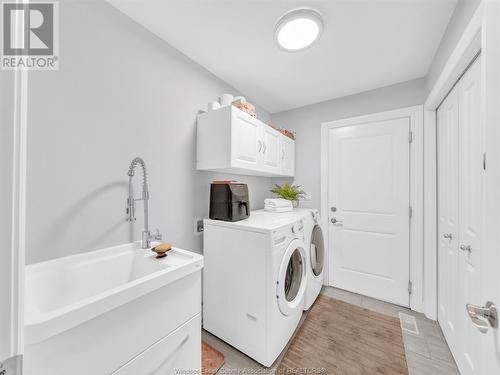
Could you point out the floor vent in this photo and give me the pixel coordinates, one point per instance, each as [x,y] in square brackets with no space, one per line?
[408,323]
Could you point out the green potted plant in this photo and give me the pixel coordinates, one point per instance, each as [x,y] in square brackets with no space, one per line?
[290,192]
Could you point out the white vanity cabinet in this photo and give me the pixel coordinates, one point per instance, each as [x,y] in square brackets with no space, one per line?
[117,311]
[180,351]
[230,140]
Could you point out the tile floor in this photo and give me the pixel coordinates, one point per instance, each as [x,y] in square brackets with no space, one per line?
[426,353]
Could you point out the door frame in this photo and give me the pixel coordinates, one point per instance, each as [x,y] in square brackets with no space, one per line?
[469,45]
[416,201]
[12,294]
[491,117]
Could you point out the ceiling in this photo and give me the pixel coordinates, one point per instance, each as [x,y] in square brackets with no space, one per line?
[365,44]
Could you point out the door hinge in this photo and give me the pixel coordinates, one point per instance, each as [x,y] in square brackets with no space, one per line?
[409,287]
[410,212]
[410,136]
[484,160]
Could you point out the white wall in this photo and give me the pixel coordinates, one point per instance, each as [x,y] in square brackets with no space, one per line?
[6,156]
[460,18]
[120,92]
[306,122]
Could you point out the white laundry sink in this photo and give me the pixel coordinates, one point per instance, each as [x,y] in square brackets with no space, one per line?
[66,293]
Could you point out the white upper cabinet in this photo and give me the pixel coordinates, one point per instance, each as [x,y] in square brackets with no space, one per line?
[271,140]
[230,140]
[246,143]
[287,151]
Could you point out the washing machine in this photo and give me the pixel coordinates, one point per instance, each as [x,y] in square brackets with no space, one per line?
[315,254]
[315,250]
[254,282]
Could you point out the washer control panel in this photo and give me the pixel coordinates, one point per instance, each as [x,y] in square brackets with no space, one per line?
[298,228]
[315,216]
[295,230]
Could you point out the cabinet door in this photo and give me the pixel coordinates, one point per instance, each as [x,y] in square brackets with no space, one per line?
[287,156]
[246,143]
[270,149]
[178,353]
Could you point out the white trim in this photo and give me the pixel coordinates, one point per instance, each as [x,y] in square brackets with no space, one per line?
[15,253]
[467,47]
[18,236]
[415,114]
[430,215]
[324,213]
[490,84]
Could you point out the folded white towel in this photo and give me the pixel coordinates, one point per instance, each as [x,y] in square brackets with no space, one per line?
[278,209]
[277,202]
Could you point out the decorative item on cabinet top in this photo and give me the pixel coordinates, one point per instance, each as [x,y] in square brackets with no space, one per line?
[289,192]
[233,141]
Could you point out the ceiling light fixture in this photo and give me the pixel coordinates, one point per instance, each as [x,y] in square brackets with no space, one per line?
[298,29]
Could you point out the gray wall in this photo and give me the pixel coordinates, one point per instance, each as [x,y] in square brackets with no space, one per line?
[460,19]
[6,152]
[120,93]
[306,122]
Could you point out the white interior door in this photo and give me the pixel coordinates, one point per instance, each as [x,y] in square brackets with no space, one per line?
[368,197]
[461,180]
[448,216]
[471,148]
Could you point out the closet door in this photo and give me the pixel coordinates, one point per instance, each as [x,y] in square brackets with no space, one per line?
[448,216]
[471,146]
[460,217]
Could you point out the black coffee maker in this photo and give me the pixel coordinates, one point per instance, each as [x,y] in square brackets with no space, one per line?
[229,201]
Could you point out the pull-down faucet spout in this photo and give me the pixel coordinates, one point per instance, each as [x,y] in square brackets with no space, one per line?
[147,237]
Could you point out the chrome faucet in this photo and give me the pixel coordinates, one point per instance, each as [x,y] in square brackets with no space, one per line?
[147,237]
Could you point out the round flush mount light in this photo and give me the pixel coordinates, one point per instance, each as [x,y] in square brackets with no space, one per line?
[298,29]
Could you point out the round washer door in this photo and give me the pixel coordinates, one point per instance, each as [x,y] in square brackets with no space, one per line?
[291,281]
[317,253]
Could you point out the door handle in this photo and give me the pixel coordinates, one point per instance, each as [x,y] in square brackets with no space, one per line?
[336,222]
[466,248]
[483,317]
[265,147]
[260,145]
[448,236]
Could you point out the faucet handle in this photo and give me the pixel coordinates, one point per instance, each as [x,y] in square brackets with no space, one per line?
[157,236]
